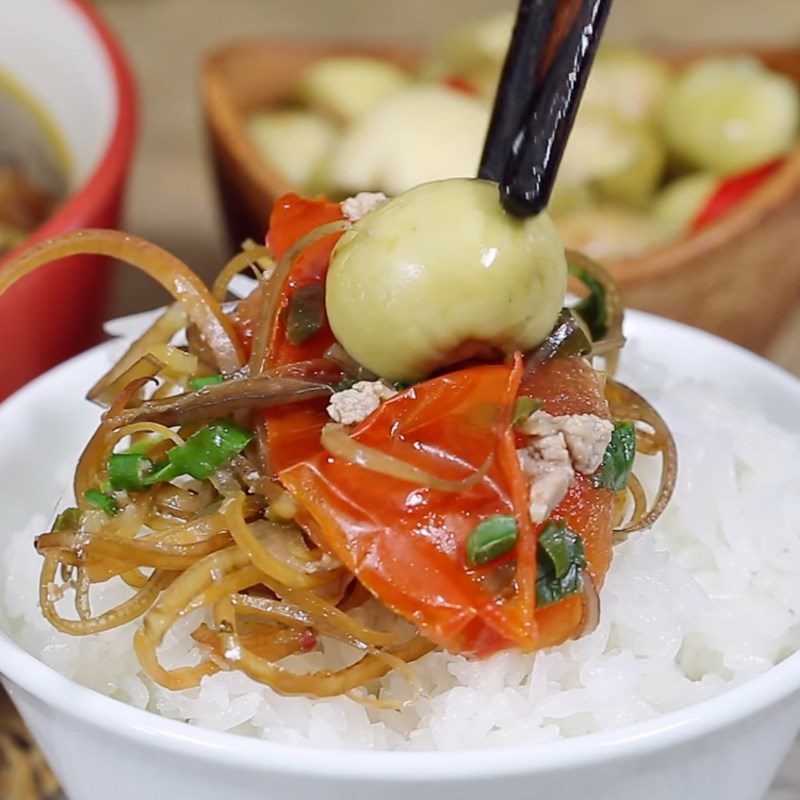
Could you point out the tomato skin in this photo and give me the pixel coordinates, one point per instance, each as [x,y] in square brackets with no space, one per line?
[293,431]
[732,191]
[407,543]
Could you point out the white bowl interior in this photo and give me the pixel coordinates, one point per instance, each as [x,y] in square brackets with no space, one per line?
[51,51]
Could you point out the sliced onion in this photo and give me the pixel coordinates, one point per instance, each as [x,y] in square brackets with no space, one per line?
[625,403]
[248,257]
[338,442]
[92,463]
[329,619]
[160,265]
[270,563]
[122,614]
[148,366]
[286,543]
[75,547]
[316,684]
[160,332]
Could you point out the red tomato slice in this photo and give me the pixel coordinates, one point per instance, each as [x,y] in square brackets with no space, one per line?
[732,191]
[294,430]
[406,543]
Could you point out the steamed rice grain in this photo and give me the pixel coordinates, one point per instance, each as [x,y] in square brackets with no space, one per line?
[705,601]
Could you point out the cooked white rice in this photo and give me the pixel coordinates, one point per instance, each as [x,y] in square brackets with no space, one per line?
[705,601]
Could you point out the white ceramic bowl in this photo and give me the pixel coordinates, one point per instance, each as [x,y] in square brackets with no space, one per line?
[727,748]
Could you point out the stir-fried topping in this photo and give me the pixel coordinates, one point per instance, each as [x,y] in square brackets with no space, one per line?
[261,472]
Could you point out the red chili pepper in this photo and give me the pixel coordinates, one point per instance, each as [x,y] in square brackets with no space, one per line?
[732,191]
[460,85]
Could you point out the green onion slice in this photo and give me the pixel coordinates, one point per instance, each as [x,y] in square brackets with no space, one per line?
[105,502]
[492,538]
[306,314]
[523,408]
[128,472]
[68,520]
[593,309]
[617,463]
[206,380]
[204,451]
[560,564]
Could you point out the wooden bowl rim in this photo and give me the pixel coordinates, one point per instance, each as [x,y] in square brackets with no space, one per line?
[226,121]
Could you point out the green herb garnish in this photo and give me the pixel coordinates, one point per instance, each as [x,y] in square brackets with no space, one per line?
[204,451]
[593,308]
[523,408]
[560,563]
[492,538]
[617,463]
[306,313]
[128,472]
[206,380]
[68,520]
[102,500]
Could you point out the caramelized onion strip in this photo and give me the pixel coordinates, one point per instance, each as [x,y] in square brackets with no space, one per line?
[203,310]
[160,332]
[269,564]
[126,612]
[338,442]
[316,684]
[625,403]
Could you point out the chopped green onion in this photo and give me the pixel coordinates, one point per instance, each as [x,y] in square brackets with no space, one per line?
[68,520]
[617,463]
[523,408]
[105,502]
[560,564]
[593,308]
[206,380]
[142,446]
[401,386]
[129,471]
[306,313]
[204,451]
[550,589]
[562,547]
[492,538]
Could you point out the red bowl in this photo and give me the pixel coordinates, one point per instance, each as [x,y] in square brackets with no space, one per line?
[87,85]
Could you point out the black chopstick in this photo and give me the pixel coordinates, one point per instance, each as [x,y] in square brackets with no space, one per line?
[551,102]
[518,84]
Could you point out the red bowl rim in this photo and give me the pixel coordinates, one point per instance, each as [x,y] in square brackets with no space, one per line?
[94,193]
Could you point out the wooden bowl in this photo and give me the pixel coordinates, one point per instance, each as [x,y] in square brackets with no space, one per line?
[738,278]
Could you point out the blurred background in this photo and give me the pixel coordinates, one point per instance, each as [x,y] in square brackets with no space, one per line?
[171,197]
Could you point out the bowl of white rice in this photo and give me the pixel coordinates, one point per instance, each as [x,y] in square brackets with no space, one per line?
[689,687]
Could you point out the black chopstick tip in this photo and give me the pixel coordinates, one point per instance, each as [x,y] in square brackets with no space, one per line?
[527,203]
